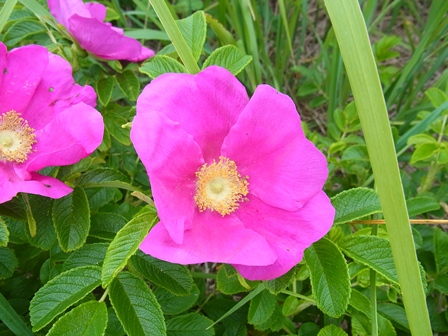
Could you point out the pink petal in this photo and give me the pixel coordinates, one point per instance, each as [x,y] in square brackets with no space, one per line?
[21,74]
[103,41]
[97,11]
[3,55]
[205,105]
[288,233]
[73,134]
[63,9]
[56,92]
[267,143]
[212,238]
[162,146]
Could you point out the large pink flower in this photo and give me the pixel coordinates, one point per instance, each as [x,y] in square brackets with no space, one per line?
[85,23]
[234,180]
[45,120]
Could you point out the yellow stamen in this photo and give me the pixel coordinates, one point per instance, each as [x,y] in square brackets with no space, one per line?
[16,137]
[220,187]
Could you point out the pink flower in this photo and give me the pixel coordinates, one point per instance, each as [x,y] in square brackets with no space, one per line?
[85,23]
[45,120]
[234,180]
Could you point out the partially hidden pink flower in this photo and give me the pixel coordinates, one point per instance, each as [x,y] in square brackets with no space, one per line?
[85,23]
[234,180]
[45,120]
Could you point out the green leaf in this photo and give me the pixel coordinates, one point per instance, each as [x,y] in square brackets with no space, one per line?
[71,217]
[261,307]
[106,225]
[88,319]
[371,251]
[129,84]
[420,139]
[221,32]
[89,254]
[194,30]
[329,277]
[421,204]
[441,283]
[22,29]
[424,152]
[436,96]
[104,88]
[136,306]
[228,284]
[11,319]
[172,304]
[45,237]
[175,278]
[161,64]
[189,325]
[441,250]
[61,292]
[354,204]
[228,57]
[4,233]
[276,285]
[394,313]
[125,243]
[105,177]
[332,330]
[8,263]
[290,305]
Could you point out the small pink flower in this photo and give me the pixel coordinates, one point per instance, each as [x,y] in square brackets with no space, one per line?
[234,180]
[85,23]
[45,120]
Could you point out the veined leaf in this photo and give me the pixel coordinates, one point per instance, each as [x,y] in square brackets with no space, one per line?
[161,64]
[275,286]
[61,292]
[89,254]
[189,325]
[261,307]
[88,319]
[136,306]
[175,278]
[332,330]
[228,57]
[105,177]
[194,30]
[172,304]
[71,217]
[125,243]
[8,263]
[104,88]
[129,84]
[355,203]
[441,250]
[329,277]
[4,233]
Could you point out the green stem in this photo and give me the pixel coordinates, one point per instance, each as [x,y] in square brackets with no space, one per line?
[29,216]
[373,306]
[175,35]
[351,33]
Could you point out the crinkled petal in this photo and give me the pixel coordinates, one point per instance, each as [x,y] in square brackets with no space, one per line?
[212,238]
[22,73]
[56,92]
[11,184]
[206,105]
[288,233]
[73,134]
[104,42]
[171,158]
[63,9]
[267,143]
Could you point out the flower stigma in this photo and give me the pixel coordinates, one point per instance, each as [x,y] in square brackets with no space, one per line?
[219,187]
[16,137]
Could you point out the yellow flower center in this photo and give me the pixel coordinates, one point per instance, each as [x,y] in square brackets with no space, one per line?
[16,137]
[219,187]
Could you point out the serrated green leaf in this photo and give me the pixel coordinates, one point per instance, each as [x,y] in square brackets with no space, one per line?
[421,204]
[332,330]
[161,64]
[422,138]
[175,278]
[89,254]
[105,177]
[261,307]
[114,327]
[290,305]
[61,292]
[436,96]
[88,319]
[394,313]
[172,304]
[441,250]
[129,84]
[45,237]
[189,325]
[8,263]
[71,217]
[441,283]
[275,286]
[228,284]
[136,306]
[11,319]
[125,243]
[106,225]
[329,277]
[228,57]
[194,30]
[104,88]
[371,251]
[22,29]
[355,203]
[424,151]
[4,233]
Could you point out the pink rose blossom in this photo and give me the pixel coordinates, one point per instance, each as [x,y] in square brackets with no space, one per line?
[45,120]
[85,23]
[234,180]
